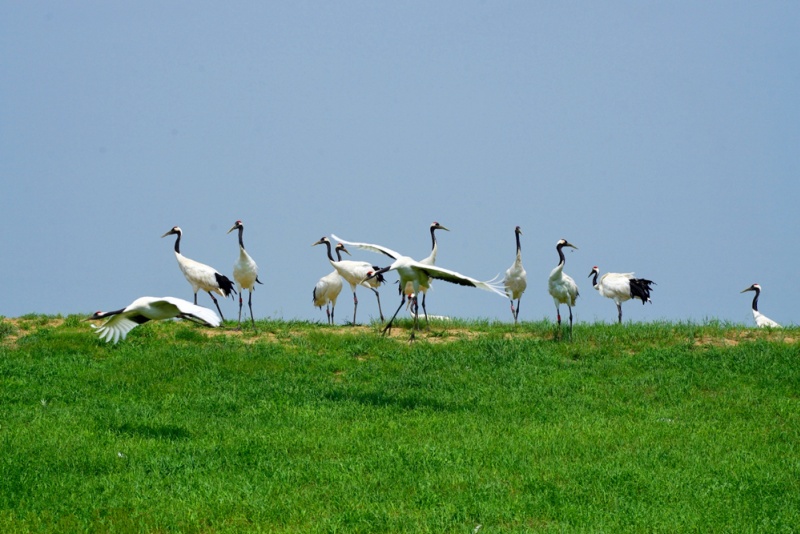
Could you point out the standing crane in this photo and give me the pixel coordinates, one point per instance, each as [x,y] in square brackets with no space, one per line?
[245,273]
[355,273]
[146,309]
[516,280]
[561,286]
[201,276]
[620,287]
[762,320]
[430,260]
[419,275]
[328,288]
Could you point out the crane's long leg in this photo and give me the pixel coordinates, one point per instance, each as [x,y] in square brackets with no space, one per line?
[240,310]
[619,312]
[250,305]
[378,296]
[513,312]
[389,324]
[355,306]
[516,314]
[215,302]
[570,320]
[333,308]
[425,310]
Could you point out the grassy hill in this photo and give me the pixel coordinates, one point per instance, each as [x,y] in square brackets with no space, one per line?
[308,428]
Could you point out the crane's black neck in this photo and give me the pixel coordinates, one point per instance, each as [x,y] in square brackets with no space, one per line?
[433,237]
[594,280]
[241,231]
[519,248]
[330,256]
[178,244]
[561,259]
[755,299]
[338,252]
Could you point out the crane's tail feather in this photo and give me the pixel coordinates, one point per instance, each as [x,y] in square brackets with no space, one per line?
[640,289]
[225,285]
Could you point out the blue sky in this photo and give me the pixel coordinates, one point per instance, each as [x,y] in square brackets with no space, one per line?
[660,138]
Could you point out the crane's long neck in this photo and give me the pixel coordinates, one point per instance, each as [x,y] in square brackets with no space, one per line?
[330,256]
[594,280]
[338,253]
[178,244]
[755,299]
[561,259]
[519,247]
[241,231]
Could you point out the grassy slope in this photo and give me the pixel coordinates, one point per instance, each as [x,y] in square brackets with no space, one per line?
[309,428]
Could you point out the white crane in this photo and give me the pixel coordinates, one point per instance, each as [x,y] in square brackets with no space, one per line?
[430,260]
[419,275]
[516,280]
[201,276]
[355,273]
[762,320]
[561,286]
[245,273]
[328,288]
[146,309]
[620,287]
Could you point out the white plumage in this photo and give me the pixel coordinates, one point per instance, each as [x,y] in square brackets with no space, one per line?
[430,260]
[355,274]
[146,309]
[419,275]
[516,279]
[245,273]
[561,286]
[201,276]
[327,289]
[621,287]
[762,320]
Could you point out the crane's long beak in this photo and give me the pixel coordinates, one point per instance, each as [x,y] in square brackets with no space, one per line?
[232,229]
[746,290]
[317,243]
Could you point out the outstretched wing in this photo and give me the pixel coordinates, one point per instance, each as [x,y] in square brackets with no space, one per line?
[372,248]
[116,328]
[190,311]
[440,273]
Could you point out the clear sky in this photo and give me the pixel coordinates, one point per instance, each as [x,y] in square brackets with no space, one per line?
[659,137]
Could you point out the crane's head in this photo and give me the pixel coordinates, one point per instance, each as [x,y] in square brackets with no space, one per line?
[518,230]
[754,287]
[564,243]
[436,226]
[236,226]
[340,248]
[321,241]
[595,270]
[96,315]
[175,230]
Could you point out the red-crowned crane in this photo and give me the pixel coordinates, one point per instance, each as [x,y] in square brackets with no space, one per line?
[561,286]
[146,309]
[245,273]
[516,280]
[419,275]
[201,276]
[762,321]
[327,289]
[355,273]
[620,287]
[430,260]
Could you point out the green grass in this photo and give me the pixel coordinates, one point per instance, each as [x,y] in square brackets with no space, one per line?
[307,428]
